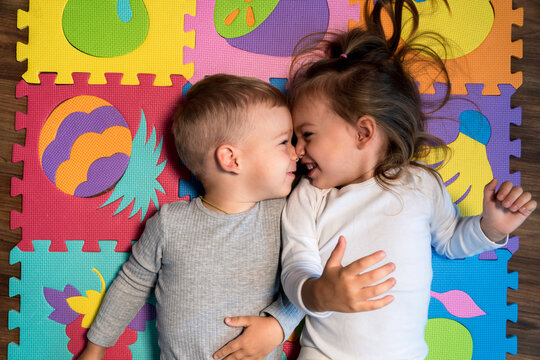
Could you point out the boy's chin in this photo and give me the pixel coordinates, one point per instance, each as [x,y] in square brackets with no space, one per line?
[284,192]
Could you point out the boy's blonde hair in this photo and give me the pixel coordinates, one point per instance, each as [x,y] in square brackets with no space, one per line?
[215,111]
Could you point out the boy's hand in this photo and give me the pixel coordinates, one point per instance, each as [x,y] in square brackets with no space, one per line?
[505,210]
[92,352]
[260,336]
[347,289]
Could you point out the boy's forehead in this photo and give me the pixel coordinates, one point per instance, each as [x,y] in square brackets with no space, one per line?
[270,117]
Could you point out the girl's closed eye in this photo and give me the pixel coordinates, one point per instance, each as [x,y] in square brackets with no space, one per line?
[306,134]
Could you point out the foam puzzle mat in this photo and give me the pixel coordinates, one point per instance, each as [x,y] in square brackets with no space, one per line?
[99,159]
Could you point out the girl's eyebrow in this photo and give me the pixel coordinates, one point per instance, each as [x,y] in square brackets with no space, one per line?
[306,124]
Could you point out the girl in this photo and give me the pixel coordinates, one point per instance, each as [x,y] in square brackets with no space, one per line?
[358,118]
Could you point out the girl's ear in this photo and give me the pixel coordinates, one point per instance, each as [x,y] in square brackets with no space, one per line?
[365,130]
[227,158]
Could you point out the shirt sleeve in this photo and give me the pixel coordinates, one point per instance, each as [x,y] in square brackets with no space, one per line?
[132,286]
[300,259]
[284,311]
[453,235]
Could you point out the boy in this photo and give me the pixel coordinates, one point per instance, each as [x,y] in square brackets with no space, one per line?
[217,255]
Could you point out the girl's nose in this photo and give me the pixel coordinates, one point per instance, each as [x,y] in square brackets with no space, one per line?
[300,151]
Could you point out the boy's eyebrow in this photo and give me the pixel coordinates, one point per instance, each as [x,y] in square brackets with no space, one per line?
[283,133]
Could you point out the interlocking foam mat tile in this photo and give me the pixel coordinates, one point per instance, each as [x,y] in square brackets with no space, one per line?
[60,296]
[129,37]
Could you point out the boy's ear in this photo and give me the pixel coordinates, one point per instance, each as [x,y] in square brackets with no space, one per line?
[227,158]
[365,130]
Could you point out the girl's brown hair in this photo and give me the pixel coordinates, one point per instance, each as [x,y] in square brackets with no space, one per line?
[365,72]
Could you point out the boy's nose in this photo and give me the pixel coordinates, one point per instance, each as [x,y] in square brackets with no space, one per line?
[292,153]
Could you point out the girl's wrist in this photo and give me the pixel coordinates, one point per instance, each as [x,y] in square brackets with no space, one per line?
[490,232]
[312,295]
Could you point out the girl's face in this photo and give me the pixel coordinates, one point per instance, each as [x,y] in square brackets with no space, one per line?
[329,146]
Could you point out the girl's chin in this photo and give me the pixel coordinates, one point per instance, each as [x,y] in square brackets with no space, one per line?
[315,182]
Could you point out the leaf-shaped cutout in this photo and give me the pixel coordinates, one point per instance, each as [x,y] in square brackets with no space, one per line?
[88,305]
[62,313]
[458,303]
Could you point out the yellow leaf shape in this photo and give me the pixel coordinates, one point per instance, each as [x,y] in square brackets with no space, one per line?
[468,160]
[89,304]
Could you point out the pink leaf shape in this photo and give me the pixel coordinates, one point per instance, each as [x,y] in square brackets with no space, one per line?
[459,303]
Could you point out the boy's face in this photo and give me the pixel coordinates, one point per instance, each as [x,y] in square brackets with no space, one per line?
[269,159]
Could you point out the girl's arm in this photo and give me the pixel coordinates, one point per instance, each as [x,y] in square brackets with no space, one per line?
[504,210]
[457,237]
[349,289]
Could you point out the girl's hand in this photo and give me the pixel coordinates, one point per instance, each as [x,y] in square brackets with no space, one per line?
[347,289]
[505,210]
[260,336]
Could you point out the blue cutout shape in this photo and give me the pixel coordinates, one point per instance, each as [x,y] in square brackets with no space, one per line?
[475,125]
[186,87]
[124,10]
[280,83]
[139,183]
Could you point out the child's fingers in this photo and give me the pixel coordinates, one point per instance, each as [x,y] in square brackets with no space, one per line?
[370,292]
[375,275]
[518,203]
[337,254]
[489,189]
[360,265]
[238,321]
[504,190]
[528,208]
[228,349]
[375,304]
[511,197]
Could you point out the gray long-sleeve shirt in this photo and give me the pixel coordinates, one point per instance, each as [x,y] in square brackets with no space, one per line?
[205,266]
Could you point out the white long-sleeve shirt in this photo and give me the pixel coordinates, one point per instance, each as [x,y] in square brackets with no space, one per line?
[405,222]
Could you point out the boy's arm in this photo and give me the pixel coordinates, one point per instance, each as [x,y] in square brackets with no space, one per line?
[262,333]
[317,288]
[260,336]
[129,291]
[287,315]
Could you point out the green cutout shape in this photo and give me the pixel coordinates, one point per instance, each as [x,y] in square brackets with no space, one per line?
[239,24]
[96,27]
[448,340]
